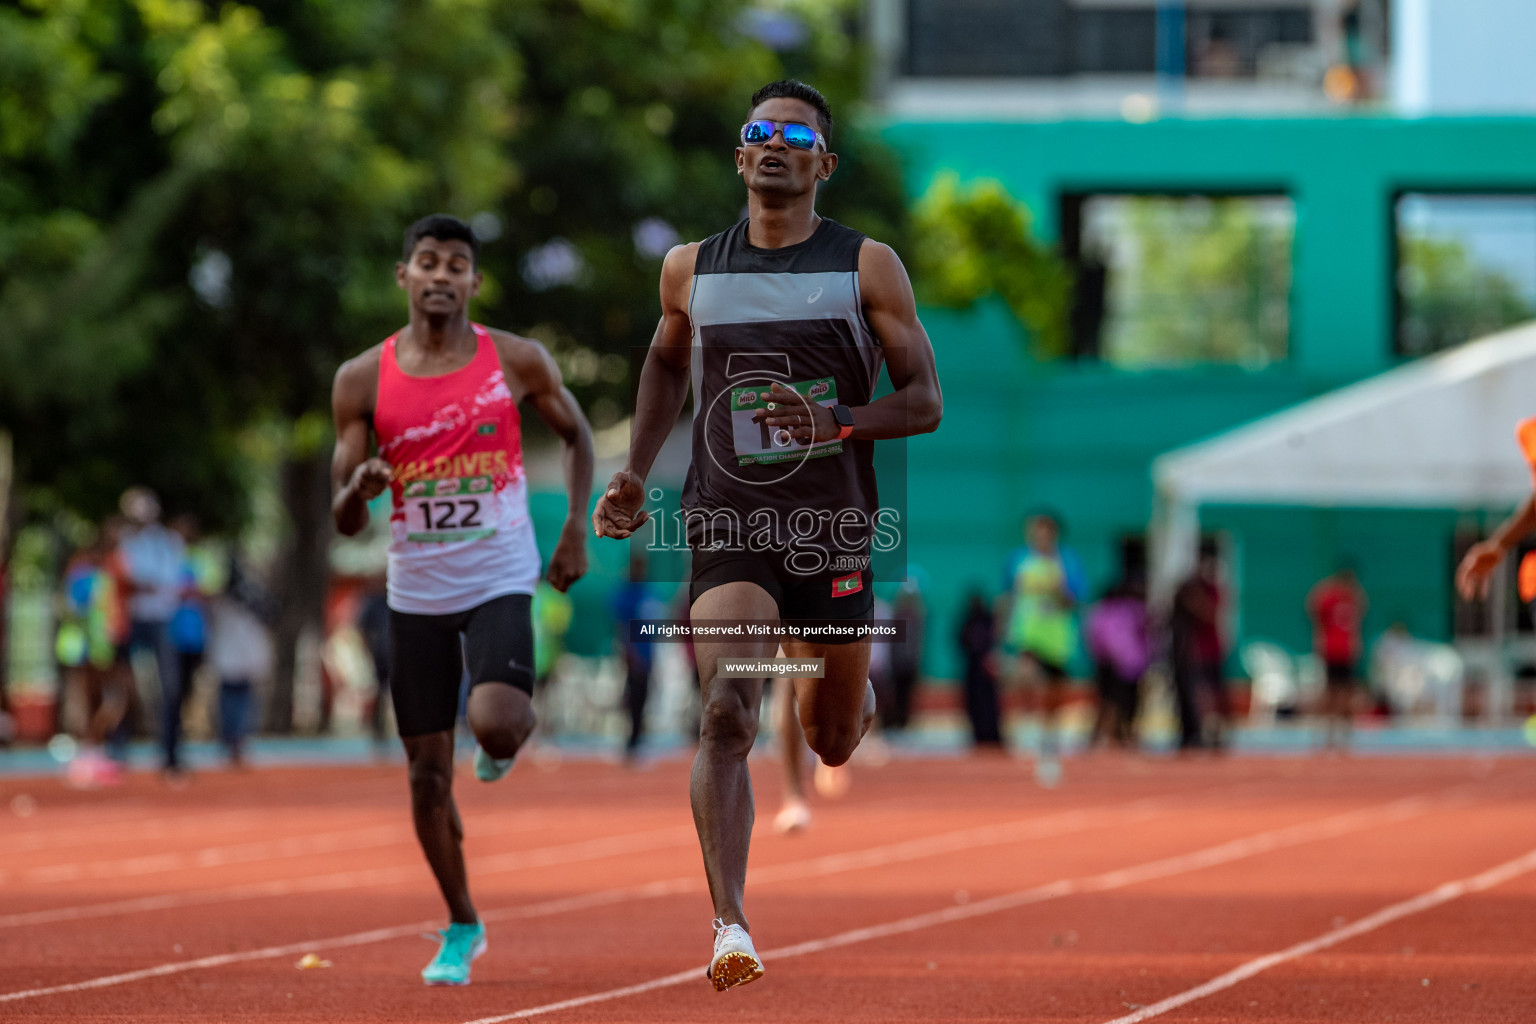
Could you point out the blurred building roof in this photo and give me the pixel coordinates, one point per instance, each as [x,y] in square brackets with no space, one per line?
[1438,432]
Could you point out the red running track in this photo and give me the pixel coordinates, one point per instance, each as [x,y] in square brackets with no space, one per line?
[1278,891]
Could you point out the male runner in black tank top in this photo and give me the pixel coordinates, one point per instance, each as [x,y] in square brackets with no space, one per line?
[789,316]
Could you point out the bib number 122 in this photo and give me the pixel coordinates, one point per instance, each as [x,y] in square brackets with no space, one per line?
[463,514]
[441,512]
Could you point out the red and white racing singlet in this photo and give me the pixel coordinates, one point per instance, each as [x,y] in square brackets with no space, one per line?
[460,530]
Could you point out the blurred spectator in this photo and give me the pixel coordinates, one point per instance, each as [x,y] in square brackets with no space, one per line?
[373,627]
[92,650]
[1219,57]
[634,599]
[977,637]
[880,665]
[1337,607]
[154,558]
[189,630]
[7,720]
[1119,641]
[240,651]
[906,656]
[1045,582]
[1205,708]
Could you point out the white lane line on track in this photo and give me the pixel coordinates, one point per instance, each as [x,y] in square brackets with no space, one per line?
[1223,853]
[279,887]
[543,856]
[1058,824]
[1418,904]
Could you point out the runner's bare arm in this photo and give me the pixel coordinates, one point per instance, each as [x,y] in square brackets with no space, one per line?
[916,405]
[1475,572]
[535,370]
[659,400]
[355,478]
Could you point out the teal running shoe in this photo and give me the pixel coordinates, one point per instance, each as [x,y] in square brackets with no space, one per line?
[462,943]
[487,768]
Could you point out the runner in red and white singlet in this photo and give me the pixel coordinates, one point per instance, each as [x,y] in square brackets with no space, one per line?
[440,398]
[459,530]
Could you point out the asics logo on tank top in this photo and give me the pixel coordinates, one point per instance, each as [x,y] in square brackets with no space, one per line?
[460,533]
[813,296]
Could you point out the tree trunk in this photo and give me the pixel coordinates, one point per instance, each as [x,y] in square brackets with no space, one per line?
[9,517]
[303,568]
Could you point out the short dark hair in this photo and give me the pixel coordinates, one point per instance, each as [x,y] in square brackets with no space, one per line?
[793,89]
[444,228]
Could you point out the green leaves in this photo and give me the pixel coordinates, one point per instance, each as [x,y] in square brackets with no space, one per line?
[973,241]
[201,204]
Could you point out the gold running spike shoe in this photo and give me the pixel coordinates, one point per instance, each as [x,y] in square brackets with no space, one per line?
[735,961]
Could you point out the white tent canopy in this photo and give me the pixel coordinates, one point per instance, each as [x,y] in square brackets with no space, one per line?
[1436,433]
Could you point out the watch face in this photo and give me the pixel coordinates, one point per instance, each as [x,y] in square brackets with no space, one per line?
[843,415]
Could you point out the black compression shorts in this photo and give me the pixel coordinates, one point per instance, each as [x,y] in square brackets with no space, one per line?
[828,597]
[1339,674]
[428,658]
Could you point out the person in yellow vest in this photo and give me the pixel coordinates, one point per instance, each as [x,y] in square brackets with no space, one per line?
[1043,587]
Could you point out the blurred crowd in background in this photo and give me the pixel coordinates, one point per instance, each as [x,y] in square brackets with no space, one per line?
[162,633]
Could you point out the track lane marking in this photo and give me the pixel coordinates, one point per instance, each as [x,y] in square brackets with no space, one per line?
[283,887]
[1222,853]
[261,851]
[1052,825]
[1425,901]
[542,856]
[1407,806]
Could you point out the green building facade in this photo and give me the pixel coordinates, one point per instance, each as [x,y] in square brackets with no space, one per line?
[1079,436]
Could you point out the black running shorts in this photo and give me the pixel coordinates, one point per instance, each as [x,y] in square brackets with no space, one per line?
[828,597]
[429,653]
[1340,675]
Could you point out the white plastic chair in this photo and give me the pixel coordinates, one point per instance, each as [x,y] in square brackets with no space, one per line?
[1273,675]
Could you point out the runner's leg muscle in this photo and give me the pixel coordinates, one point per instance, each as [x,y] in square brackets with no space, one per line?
[720,787]
[501,717]
[436,816]
[838,709]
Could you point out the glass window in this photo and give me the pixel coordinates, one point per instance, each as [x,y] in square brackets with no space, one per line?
[1466,267]
[1058,38]
[1166,281]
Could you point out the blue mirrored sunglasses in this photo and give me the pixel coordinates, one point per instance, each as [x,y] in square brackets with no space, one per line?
[800,136]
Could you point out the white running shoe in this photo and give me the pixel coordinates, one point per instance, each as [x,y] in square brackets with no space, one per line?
[794,816]
[735,961]
[488,768]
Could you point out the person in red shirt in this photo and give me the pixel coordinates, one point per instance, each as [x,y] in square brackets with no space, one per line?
[1336,607]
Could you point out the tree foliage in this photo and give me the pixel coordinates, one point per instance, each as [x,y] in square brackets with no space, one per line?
[1450,298]
[201,203]
[1198,280]
[975,240]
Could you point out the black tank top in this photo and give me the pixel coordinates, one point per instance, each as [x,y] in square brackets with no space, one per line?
[791,315]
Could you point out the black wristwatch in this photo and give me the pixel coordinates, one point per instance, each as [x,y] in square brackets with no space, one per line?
[844,417]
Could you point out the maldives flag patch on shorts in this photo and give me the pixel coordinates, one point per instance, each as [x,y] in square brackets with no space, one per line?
[845,585]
